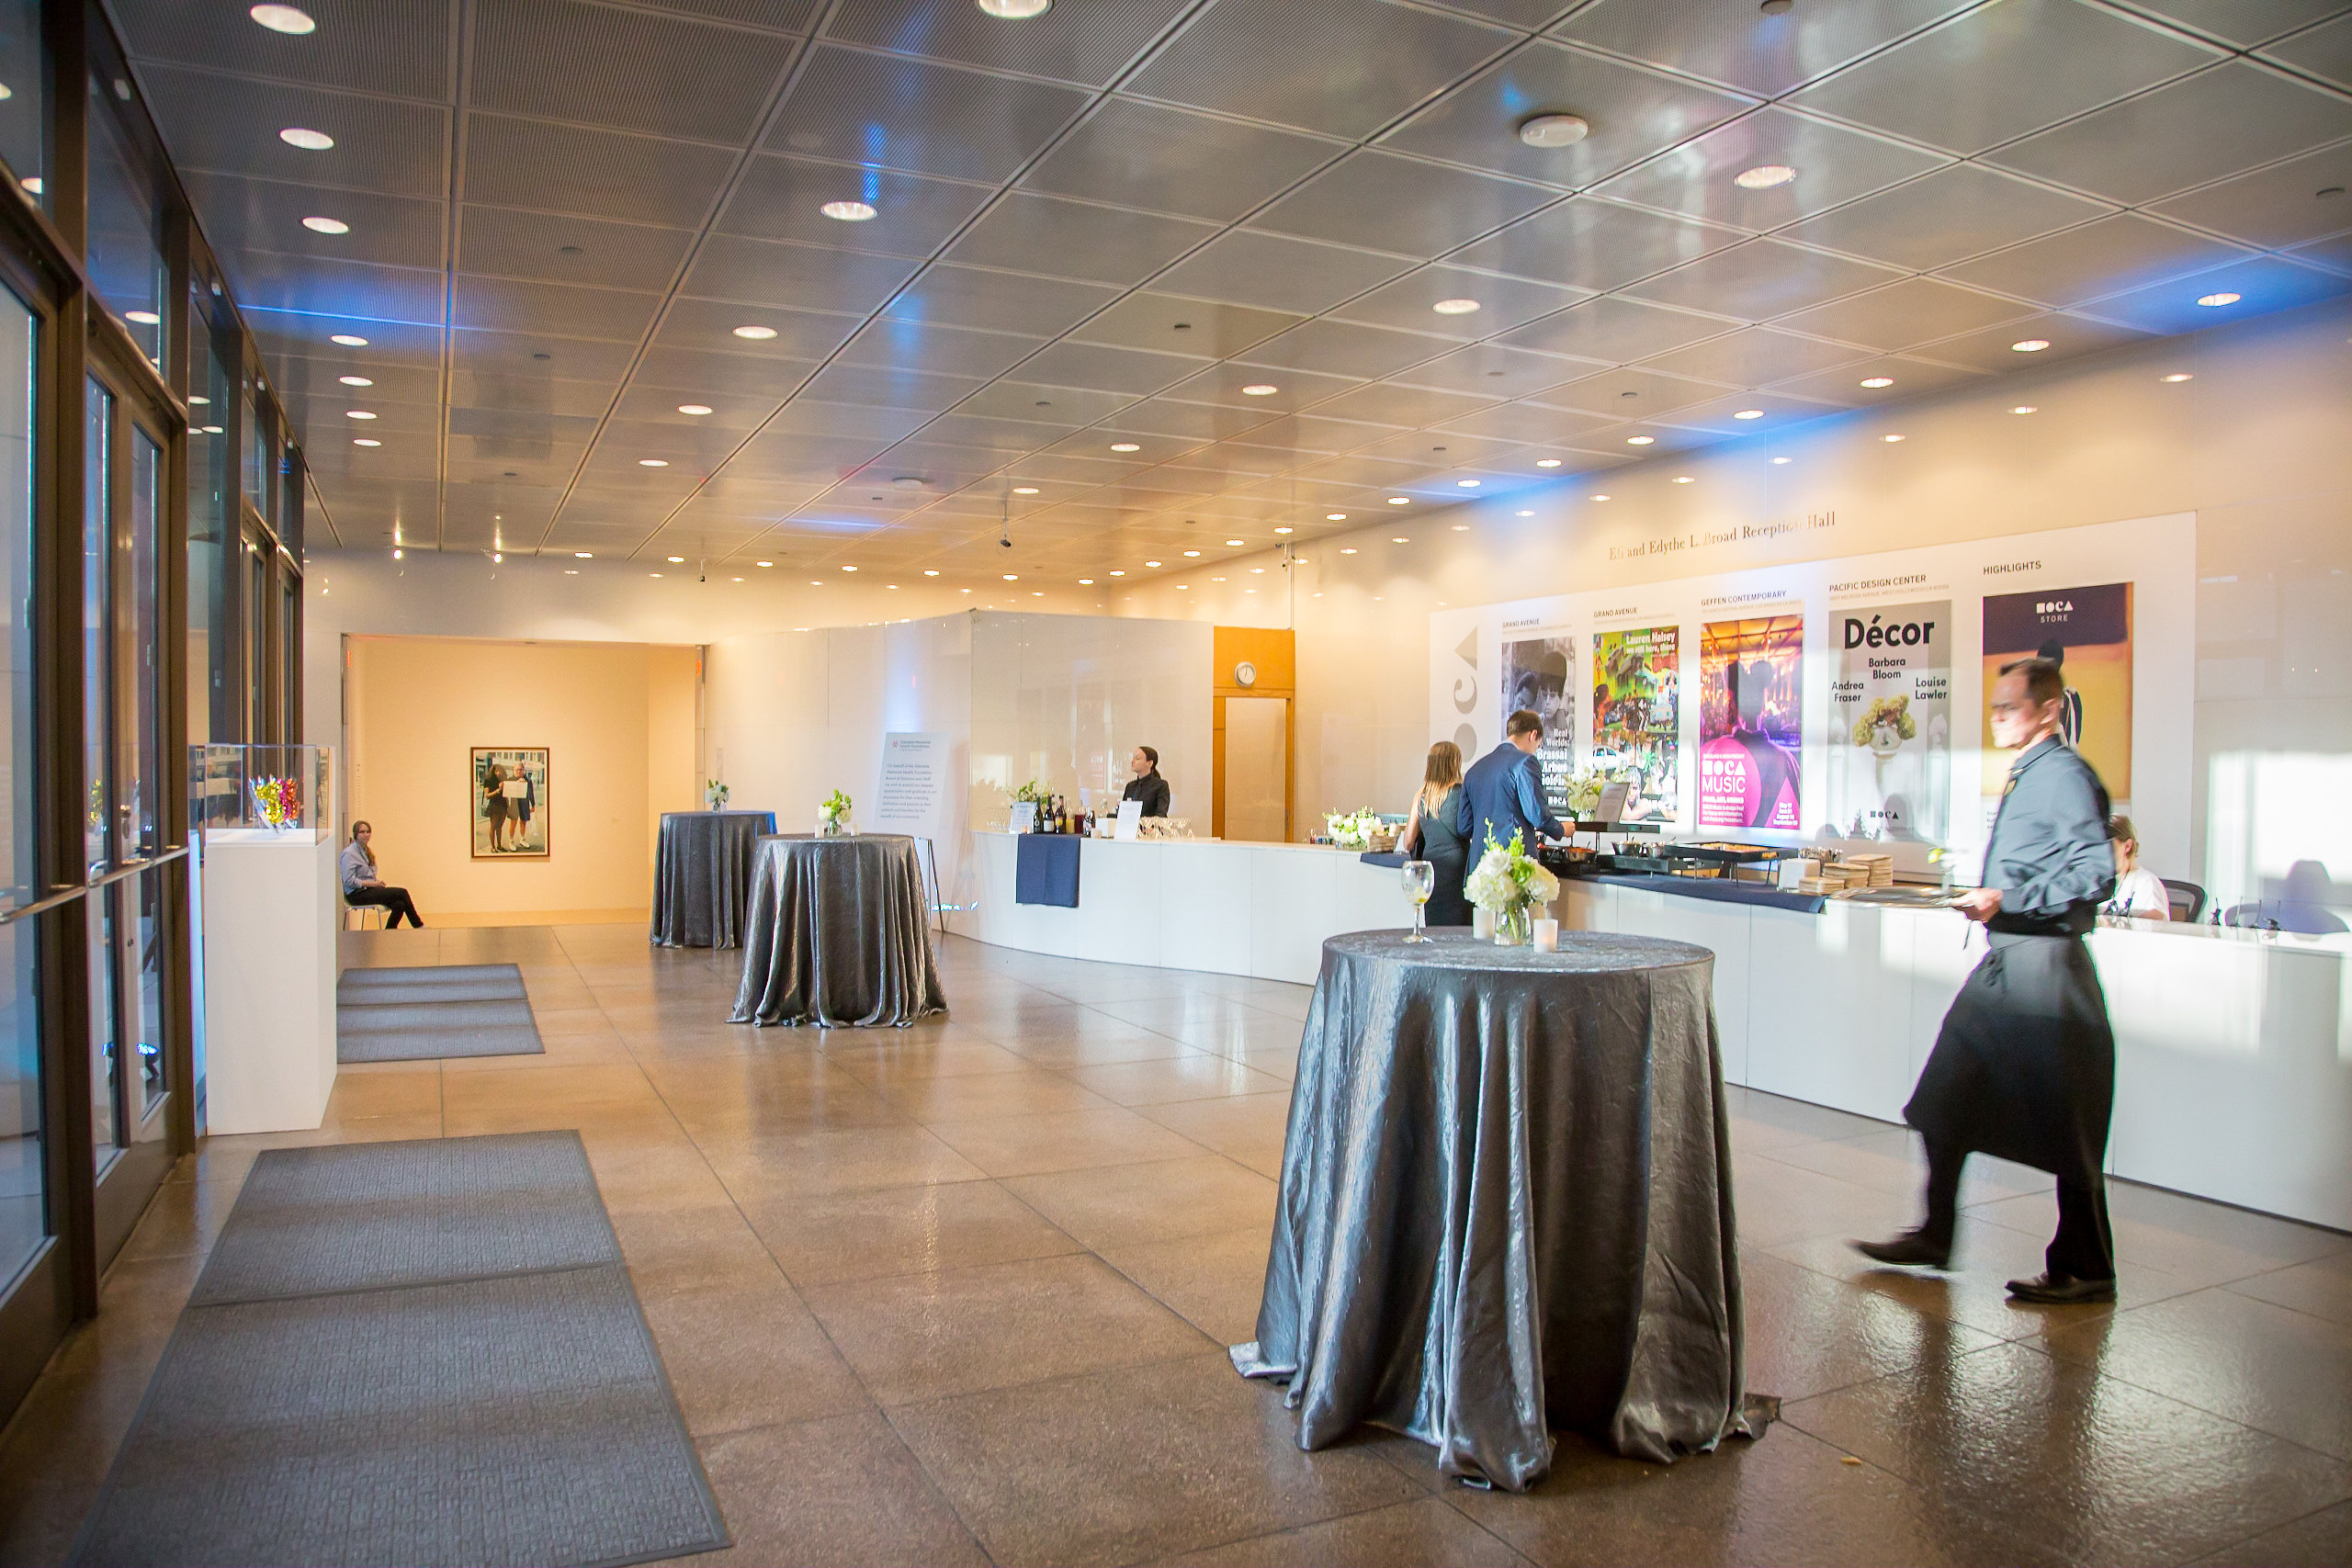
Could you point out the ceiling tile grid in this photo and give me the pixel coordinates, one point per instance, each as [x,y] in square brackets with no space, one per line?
[1293,255]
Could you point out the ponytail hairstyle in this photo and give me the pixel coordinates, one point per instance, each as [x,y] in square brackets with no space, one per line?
[357,827]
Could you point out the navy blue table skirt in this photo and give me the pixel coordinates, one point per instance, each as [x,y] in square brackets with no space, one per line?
[1044,869]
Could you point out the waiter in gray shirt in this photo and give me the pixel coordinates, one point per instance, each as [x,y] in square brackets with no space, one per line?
[2024,1068]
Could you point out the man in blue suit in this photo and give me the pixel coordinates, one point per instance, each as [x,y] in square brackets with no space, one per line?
[1503,792]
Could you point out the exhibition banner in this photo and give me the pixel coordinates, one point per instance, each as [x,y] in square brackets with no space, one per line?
[2088,632]
[1637,719]
[1535,676]
[1890,722]
[1751,722]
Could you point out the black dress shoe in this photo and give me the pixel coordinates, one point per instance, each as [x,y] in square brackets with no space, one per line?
[1912,1248]
[2061,1290]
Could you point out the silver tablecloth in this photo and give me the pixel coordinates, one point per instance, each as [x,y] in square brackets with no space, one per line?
[702,875]
[838,934]
[1506,1204]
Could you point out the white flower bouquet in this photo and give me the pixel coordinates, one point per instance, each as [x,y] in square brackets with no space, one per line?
[1506,882]
[1352,830]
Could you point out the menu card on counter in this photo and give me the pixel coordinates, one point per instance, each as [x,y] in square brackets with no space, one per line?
[1130,819]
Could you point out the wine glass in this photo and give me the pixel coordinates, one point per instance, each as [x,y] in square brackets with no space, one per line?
[1421,879]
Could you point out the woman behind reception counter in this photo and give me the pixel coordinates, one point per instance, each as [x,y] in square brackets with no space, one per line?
[1430,835]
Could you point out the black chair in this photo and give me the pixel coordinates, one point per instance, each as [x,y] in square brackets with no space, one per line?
[2187,899]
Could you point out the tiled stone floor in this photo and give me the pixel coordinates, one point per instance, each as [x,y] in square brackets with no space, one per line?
[961,1293]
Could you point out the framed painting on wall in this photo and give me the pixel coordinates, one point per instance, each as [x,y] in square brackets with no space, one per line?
[510,811]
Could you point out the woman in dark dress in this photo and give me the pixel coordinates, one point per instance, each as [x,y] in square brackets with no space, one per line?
[1429,836]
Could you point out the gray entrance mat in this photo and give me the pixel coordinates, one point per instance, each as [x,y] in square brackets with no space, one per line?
[363,1216]
[513,1417]
[434,1010]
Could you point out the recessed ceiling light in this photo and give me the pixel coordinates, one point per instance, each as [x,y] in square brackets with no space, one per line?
[1282,530]
[1025,490]
[194,400]
[2024,407]
[849,569]
[348,340]
[1600,498]
[307,141]
[1458,528]
[1191,553]
[1347,552]
[1454,307]
[1890,438]
[812,581]
[1548,462]
[739,579]
[284,20]
[1260,390]
[1335,517]
[1400,500]
[653,462]
[2180,375]
[1233,542]
[1781,459]
[144,318]
[1749,413]
[356,441]
[1554,130]
[1401,539]
[677,560]
[216,430]
[355,380]
[697,410]
[326,225]
[1641,440]
[1152,563]
[1468,484]
[357,413]
[2029,346]
[848,211]
[1015,10]
[1126,445]
[571,571]
[2215,302]
[928,572]
[1878,381]
[1684,479]
[1086,582]
[1764,176]
[1012,577]
[1118,573]
[757,335]
[584,555]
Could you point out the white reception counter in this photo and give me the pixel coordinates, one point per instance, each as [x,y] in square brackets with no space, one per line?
[2233,1048]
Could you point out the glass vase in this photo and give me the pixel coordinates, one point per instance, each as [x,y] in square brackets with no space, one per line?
[1515,927]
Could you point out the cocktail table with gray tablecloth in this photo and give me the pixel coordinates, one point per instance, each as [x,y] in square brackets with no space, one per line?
[838,934]
[1505,1205]
[702,875]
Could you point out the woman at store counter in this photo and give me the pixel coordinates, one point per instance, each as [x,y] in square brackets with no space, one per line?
[2139,891]
[1433,835]
[1147,785]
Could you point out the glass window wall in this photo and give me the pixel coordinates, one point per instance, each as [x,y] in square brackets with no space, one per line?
[24,1191]
[208,517]
[24,95]
[126,250]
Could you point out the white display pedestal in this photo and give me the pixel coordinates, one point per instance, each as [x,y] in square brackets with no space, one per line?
[269,974]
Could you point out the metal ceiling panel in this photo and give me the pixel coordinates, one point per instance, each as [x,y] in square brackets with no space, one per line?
[499,241]
[1439,449]
[1171,159]
[778,272]
[297,377]
[1109,370]
[783,199]
[1342,348]
[1591,244]
[923,345]
[2025,64]
[388,343]
[2335,252]
[526,359]
[889,386]
[1634,113]
[1169,322]
[924,118]
[1492,370]
[699,374]
[2260,282]
[2243,22]
[1611,330]
[1960,210]
[1525,422]
[1380,202]
[354,297]
[737,414]
[1060,238]
[239,213]
[1279,272]
[1410,303]
[1062,406]
[1833,164]
[784,15]
[1751,357]
[877,427]
[1009,436]
[1306,433]
[2163,141]
[1201,422]
[1293,389]
[1409,406]
[1767,411]
[601,174]
[1906,378]
[397,47]
[1088,44]
[2081,263]
[1630,393]
[709,325]
[1760,278]
[491,304]
[2276,207]
[2323,52]
[212,121]
[1914,310]
[1270,60]
[1743,47]
[1991,350]
[630,70]
[998,301]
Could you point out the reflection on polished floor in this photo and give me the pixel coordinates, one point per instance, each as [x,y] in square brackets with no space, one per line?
[961,1293]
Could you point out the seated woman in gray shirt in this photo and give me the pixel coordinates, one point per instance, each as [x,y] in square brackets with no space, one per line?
[361,884]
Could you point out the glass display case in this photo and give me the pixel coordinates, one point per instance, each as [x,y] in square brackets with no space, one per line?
[261,791]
